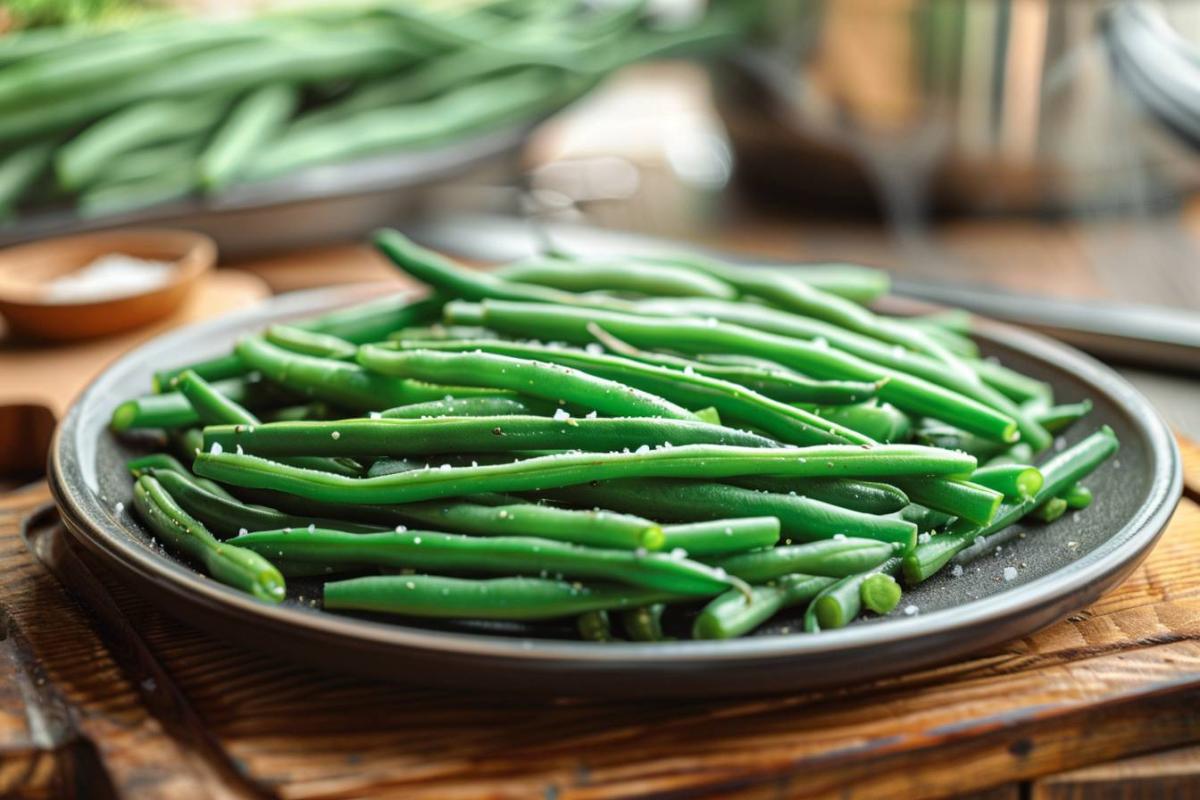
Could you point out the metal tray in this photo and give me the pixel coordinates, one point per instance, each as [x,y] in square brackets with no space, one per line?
[325,204]
[1062,567]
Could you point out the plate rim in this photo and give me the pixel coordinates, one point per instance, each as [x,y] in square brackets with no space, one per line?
[1121,551]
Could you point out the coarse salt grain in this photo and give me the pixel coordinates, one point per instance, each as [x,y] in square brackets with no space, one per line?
[335,435]
[956,570]
[911,611]
[1010,573]
[560,414]
[216,449]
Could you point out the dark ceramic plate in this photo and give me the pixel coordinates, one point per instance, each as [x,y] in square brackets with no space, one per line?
[1060,568]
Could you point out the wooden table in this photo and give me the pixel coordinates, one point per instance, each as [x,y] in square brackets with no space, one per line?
[119,700]
[103,696]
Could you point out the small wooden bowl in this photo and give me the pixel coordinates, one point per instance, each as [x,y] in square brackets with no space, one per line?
[27,307]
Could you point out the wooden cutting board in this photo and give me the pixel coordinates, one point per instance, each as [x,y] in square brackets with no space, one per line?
[119,700]
[38,380]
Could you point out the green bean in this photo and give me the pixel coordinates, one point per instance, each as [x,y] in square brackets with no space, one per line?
[801,518]
[659,280]
[729,615]
[503,98]
[896,359]
[853,282]
[1014,481]
[408,437]
[835,558]
[597,528]
[498,598]
[218,368]
[456,281]
[868,497]
[644,623]
[801,298]
[951,329]
[1059,474]
[145,164]
[227,517]
[19,171]
[310,343]
[691,335]
[737,403]
[1019,453]
[253,122]
[720,536]
[595,626]
[437,332]
[101,200]
[1013,385]
[1058,418]
[229,69]
[187,442]
[840,604]
[480,406]
[215,408]
[481,517]
[880,593]
[1049,511]
[84,158]
[964,499]
[500,554]
[172,410]
[537,378]
[926,519]
[374,320]
[234,566]
[1078,496]
[160,462]
[770,380]
[880,422]
[95,62]
[567,469]
[947,437]
[338,382]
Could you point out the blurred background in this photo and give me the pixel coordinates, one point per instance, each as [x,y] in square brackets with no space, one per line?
[1032,160]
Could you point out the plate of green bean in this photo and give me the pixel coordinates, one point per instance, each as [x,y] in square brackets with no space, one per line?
[641,476]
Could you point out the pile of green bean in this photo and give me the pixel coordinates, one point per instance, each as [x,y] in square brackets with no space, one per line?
[651,447]
[112,119]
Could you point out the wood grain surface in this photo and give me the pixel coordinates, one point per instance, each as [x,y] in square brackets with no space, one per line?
[122,698]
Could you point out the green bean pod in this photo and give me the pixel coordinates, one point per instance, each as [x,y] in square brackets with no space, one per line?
[1059,474]
[568,469]
[835,558]
[497,598]
[165,462]
[840,603]
[595,626]
[784,422]
[869,497]
[1014,481]
[369,438]
[644,623]
[721,536]
[234,566]
[252,123]
[543,379]
[310,343]
[227,517]
[172,409]
[1078,497]
[963,499]
[1058,418]
[907,393]
[213,407]
[1049,511]
[801,518]
[431,550]
[481,406]
[730,615]
[659,280]
[338,382]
